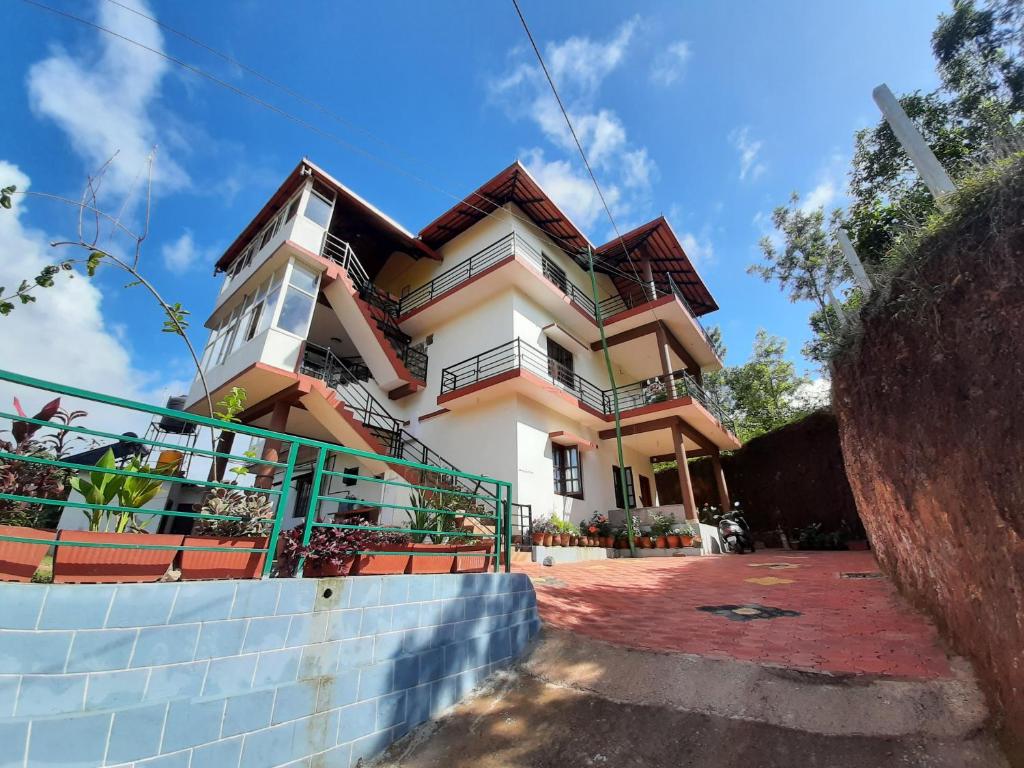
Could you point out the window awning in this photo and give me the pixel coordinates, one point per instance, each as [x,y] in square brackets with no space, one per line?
[568,438]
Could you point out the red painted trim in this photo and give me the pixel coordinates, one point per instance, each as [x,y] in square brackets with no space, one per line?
[645,410]
[561,437]
[647,307]
[514,374]
[492,381]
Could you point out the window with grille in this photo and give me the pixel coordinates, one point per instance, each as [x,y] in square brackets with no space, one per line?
[568,470]
[560,364]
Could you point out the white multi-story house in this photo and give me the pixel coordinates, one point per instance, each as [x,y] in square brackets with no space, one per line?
[476,340]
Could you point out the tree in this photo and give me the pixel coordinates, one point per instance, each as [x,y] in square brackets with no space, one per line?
[764,388]
[808,264]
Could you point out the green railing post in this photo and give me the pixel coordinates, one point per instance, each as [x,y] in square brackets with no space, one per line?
[314,503]
[508,526]
[282,505]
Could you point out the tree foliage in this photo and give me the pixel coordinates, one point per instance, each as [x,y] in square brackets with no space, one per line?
[974,117]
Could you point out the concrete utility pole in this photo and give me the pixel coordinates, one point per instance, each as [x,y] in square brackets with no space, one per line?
[859,275]
[921,155]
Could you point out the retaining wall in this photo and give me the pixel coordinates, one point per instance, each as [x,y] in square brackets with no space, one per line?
[245,674]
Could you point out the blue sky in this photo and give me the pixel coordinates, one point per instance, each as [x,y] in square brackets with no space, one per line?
[711,113]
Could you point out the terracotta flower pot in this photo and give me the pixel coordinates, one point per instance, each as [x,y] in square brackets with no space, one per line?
[114,565]
[469,563]
[433,563]
[564,539]
[223,565]
[549,540]
[622,543]
[537,538]
[674,541]
[18,561]
[322,569]
[382,565]
[687,541]
[646,542]
[607,542]
[660,542]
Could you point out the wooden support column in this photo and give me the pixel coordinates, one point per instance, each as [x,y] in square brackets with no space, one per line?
[645,267]
[723,489]
[224,443]
[663,350]
[685,486]
[272,448]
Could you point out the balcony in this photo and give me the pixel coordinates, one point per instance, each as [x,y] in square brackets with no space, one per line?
[518,367]
[441,298]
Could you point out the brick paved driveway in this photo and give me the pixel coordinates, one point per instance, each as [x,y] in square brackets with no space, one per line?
[786,608]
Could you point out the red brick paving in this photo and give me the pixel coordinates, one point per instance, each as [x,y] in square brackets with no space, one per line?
[858,626]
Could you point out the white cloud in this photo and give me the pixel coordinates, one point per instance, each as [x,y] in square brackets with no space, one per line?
[698,247]
[749,151]
[104,103]
[572,190]
[63,336]
[579,66]
[670,64]
[830,188]
[181,255]
[816,393]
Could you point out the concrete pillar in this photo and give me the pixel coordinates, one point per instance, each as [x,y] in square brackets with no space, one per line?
[685,486]
[921,155]
[723,489]
[272,449]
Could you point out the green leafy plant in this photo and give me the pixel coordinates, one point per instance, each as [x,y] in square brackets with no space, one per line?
[252,509]
[136,492]
[662,524]
[99,488]
[232,404]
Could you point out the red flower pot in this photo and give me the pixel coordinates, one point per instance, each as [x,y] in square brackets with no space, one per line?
[549,540]
[433,563]
[383,565]
[537,538]
[322,569]
[607,542]
[622,543]
[674,541]
[18,561]
[687,541]
[102,565]
[660,542]
[465,563]
[564,539]
[646,542]
[223,565]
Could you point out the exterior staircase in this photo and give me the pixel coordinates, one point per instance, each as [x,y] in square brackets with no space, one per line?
[392,438]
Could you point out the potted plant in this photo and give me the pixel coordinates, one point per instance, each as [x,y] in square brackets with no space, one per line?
[686,534]
[28,520]
[330,551]
[538,530]
[251,511]
[470,554]
[367,564]
[130,559]
[661,525]
[441,557]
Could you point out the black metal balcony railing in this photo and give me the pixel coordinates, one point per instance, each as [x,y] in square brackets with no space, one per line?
[514,245]
[518,355]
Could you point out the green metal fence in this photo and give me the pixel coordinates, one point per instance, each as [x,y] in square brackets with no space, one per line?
[40,454]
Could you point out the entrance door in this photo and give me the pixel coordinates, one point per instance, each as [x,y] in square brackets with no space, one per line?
[646,498]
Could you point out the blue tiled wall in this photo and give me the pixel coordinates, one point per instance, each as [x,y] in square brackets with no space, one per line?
[245,674]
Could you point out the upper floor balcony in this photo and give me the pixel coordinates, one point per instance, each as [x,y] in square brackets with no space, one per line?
[517,367]
[515,260]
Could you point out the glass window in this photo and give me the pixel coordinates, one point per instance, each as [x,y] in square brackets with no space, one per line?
[319,205]
[560,364]
[295,312]
[272,289]
[568,470]
[293,208]
[303,278]
[630,493]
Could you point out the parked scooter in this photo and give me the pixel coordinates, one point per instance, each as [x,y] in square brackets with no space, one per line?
[733,531]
